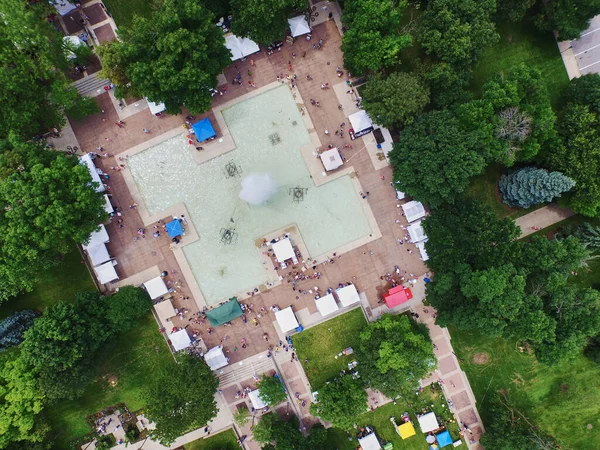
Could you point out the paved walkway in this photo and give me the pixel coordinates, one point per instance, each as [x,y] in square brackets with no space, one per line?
[542,218]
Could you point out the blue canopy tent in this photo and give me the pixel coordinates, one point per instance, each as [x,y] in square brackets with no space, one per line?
[444,439]
[204,130]
[174,228]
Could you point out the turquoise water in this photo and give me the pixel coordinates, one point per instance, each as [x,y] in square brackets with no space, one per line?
[329,216]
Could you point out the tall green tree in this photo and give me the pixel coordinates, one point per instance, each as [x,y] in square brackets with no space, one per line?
[568,17]
[173,57]
[394,100]
[47,201]
[513,10]
[458,31]
[529,186]
[375,36]
[181,398]
[263,21]
[394,353]
[271,390]
[341,401]
[286,434]
[126,306]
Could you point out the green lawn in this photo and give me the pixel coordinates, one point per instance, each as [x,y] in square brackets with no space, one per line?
[562,400]
[380,421]
[124,10]
[226,440]
[321,345]
[521,43]
[58,283]
[132,359]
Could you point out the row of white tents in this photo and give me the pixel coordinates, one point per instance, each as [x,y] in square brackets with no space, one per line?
[414,211]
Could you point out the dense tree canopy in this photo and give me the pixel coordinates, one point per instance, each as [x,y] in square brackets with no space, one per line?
[263,21]
[458,31]
[47,202]
[374,37]
[568,17]
[271,391]
[34,91]
[12,329]
[174,57]
[513,10]
[394,100]
[181,398]
[394,353]
[286,435]
[341,401]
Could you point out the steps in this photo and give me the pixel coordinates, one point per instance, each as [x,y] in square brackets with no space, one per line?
[89,85]
[246,371]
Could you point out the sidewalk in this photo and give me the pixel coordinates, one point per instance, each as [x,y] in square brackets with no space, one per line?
[542,218]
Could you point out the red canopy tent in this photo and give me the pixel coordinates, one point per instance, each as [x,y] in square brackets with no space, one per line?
[397,295]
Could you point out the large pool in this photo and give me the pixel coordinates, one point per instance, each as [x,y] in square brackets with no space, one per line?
[328,217]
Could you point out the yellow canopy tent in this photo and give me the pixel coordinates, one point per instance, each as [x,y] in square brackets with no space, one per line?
[406,430]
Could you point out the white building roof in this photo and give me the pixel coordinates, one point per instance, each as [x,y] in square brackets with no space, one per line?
[331,159]
[283,250]
[416,232]
[428,422]
[422,250]
[369,442]
[156,287]
[286,319]
[413,210]
[97,238]
[180,340]
[98,254]
[87,160]
[299,26]
[256,401]
[164,310]
[106,272]
[326,305]
[215,358]
[360,120]
[348,295]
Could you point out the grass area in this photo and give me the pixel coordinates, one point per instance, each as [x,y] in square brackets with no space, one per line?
[380,421]
[226,440]
[522,43]
[321,345]
[133,359]
[561,399]
[58,283]
[123,11]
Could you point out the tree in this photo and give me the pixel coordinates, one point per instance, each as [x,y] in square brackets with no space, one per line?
[513,10]
[529,186]
[263,21]
[436,156]
[588,235]
[395,100]
[448,86]
[180,398]
[568,17]
[47,202]
[584,90]
[34,91]
[174,57]
[374,37]
[287,435]
[458,31]
[126,306]
[13,328]
[271,390]
[341,401]
[241,417]
[394,353]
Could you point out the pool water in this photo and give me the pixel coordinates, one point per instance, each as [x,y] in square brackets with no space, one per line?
[268,132]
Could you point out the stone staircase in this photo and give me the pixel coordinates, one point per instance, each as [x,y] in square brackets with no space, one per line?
[89,85]
[246,371]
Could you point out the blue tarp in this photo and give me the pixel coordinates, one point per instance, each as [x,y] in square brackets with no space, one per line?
[174,228]
[203,130]
[444,439]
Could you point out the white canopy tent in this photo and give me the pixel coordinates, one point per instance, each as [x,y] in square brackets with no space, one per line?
[422,250]
[156,287]
[98,254]
[413,210]
[64,7]
[215,358]
[416,232]
[369,442]
[256,401]
[97,238]
[164,311]
[180,340]
[348,295]
[331,159]
[106,272]
[240,47]
[108,207]
[70,43]
[87,160]
[286,319]
[360,122]
[155,108]
[284,250]
[428,422]
[299,26]
[326,305]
